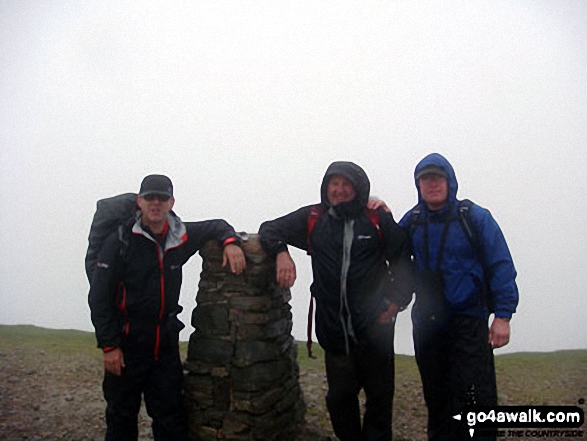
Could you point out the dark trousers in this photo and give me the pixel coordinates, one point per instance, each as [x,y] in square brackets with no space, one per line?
[369,366]
[161,384]
[457,369]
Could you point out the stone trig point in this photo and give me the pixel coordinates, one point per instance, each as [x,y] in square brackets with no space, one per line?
[242,373]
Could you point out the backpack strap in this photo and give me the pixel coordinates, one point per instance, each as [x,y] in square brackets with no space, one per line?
[124,232]
[472,234]
[465,220]
[415,220]
[373,216]
[316,213]
[110,213]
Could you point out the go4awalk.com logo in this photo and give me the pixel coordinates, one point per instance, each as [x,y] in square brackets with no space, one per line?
[525,421]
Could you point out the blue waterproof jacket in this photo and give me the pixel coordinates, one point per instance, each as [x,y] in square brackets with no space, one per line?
[461,265]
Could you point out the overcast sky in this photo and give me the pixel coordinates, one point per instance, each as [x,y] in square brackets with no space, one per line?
[245,104]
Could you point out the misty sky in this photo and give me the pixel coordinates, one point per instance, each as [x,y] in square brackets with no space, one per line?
[245,104]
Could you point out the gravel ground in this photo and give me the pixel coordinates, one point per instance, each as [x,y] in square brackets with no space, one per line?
[51,395]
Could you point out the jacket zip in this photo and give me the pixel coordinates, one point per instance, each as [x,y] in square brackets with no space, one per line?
[161,257]
[345,311]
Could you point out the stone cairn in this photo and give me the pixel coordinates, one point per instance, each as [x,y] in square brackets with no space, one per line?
[242,373]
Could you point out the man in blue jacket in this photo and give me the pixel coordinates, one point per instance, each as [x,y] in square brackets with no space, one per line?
[356,301]
[134,297]
[460,279]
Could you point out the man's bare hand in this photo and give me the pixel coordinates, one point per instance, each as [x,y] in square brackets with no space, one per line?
[286,270]
[499,333]
[374,203]
[114,361]
[234,256]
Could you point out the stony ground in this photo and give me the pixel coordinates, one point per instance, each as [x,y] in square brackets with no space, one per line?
[49,394]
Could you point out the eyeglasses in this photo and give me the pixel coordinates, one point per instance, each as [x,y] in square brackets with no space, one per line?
[432,177]
[159,197]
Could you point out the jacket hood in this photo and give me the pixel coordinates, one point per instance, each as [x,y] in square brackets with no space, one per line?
[436,159]
[353,173]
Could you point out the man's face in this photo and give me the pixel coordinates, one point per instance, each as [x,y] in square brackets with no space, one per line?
[340,189]
[434,190]
[155,209]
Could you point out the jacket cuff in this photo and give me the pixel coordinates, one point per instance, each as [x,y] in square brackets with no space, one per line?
[230,240]
[503,314]
[282,246]
[109,349]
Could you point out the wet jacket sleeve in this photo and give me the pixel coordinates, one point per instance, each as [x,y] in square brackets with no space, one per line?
[203,231]
[397,253]
[498,263]
[103,294]
[291,229]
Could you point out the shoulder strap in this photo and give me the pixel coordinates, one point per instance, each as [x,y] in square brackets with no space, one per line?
[373,216]
[124,232]
[472,234]
[315,213]
[110,214]
[465,220]
[415,218]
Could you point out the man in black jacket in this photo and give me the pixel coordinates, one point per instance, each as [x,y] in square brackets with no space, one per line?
[356,300]
[134,297]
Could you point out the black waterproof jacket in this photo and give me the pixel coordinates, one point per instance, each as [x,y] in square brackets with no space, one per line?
[369,289]
[134,293]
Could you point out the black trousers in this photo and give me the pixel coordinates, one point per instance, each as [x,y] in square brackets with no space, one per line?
[369,366]
[457,369]
[161,384]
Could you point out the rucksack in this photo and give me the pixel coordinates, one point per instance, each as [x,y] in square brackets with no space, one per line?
[316,213]
[464,218]
[110,214]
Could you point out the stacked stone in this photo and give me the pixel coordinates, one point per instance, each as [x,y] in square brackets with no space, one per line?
[242,373]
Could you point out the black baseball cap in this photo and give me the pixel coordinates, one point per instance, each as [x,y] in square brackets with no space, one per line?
[156,184]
